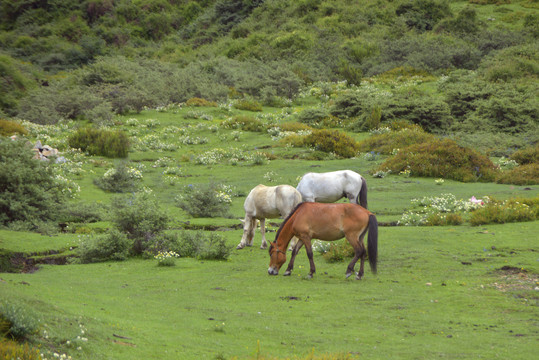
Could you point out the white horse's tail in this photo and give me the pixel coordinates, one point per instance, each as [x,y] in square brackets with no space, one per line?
[362,196]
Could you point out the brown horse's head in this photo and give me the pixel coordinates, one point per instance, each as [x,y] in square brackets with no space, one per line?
[277,259]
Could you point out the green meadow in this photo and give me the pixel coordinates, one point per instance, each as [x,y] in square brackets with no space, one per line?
[451,292]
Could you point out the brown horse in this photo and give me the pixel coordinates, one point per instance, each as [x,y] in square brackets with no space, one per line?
[326,222]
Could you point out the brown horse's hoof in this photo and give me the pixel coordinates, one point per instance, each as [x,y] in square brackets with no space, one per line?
[310,276]
[240,246]
[287,273]
[359,276]
[348,274]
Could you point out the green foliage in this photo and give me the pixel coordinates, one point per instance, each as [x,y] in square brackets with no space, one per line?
[313,116]
[10,127]
[114,144]
[200,102]
[205,200]
[387,142]
[247,123]
[501,212]
[332,141]
[423,14]
[339,251]
[13,350]
[248,105]
[120,179]
[527,155]
[527,174]
[14,82]
[21,320]
[82,212]
[140,217]
[203,246]
[442,158]
[29,188]
[112,246]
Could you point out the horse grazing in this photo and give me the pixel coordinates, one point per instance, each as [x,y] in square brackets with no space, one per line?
[327,222]
[331,186]
[266,202]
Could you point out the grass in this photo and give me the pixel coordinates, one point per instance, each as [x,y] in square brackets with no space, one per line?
[439,293]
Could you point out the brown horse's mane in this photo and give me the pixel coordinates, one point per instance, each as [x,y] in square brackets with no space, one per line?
[286,219]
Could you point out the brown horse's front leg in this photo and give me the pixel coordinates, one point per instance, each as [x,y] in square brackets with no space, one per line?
[292,258]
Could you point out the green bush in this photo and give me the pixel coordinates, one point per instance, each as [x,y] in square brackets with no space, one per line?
[113,246]
[247,123]
[527,174]
[339,251]
[442,158]
[10,349]
[387,142]
[21,321]
[332,141]
[248,104]
[529,155]
[203,246]
[114,144]
[205,200]
[140,217]
[120,179]
[501,212]
[9,127]
[30,191]
[313,116]
[200,102]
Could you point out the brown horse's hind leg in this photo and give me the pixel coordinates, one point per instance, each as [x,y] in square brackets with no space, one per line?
[359,252]
[295,251]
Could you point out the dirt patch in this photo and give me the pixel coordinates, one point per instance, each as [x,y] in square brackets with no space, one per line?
[513,278]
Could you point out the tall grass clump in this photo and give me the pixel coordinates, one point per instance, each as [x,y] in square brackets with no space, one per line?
[200,102]
[529,155]
[112,144]
[442,158]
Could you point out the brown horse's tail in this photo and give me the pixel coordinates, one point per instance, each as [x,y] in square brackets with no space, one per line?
[363,193]
[372,242]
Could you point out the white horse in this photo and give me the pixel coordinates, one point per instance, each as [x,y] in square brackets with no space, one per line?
[332,186]
[266,202]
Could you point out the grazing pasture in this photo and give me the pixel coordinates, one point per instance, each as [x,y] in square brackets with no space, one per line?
[441,291]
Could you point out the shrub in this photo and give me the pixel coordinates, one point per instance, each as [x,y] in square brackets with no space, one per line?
[82,212]
[387,142]
[339,251]
[204,246]
[313,116]
[529,155]
[119,179]
[99,248]
[209,200]
[140,217]
[21,321]
[437,219]
[442,158]
[246,123]
[248,104]
[9,127]
[12,350]
[521,175]
[501,212]
[29,188]
[332,141]
[166,258]
[200,102]
[113,144]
